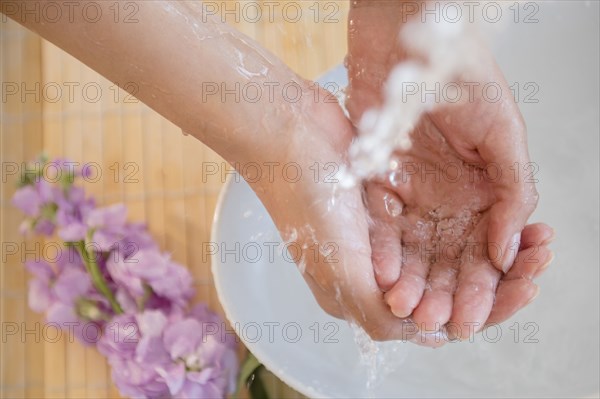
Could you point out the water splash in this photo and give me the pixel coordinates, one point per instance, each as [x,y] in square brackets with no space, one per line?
[379,359]
[449,50]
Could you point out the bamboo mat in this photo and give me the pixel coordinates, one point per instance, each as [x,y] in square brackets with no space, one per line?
[145,162]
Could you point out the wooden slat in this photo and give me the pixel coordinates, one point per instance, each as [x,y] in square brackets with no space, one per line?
[196,225]
[174,203]
[21,121]
[33,142]
[154,177]
[55,352]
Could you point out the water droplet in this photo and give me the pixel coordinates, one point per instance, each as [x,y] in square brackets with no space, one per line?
[445,228]
[395,178]
[393,206]
[395,163]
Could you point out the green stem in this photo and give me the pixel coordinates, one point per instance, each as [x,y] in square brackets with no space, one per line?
[97,278]
[141,303]
[249,377]
[256,387]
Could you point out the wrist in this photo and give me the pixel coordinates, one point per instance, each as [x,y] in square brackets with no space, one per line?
[308,146]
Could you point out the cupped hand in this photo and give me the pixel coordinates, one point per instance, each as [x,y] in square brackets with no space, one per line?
[449,219]
[430,227]
[325,227]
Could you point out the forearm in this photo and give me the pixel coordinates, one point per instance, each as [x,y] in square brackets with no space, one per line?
[182,62]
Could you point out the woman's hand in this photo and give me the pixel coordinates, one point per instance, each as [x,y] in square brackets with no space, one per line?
[443,230]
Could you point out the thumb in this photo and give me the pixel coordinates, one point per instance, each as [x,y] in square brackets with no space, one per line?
[512,176]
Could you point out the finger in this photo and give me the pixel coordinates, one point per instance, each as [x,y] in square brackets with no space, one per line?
[528,262]
[435,308]
[368,310]
[406,294]
[474,297]
[539,235]
[536,234]
[476,287]
[385,234]
[511,297]
[516,290]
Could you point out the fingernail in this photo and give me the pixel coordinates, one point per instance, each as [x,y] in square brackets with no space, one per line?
[450,335]
[388,297]
[547,263]
[551,238]
[535,295]
[511,251]
[400,313]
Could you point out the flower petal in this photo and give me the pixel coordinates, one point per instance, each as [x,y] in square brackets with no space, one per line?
[28,200]
[182,338]
[174,376]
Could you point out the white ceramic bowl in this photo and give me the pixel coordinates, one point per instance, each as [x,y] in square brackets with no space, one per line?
[548,349]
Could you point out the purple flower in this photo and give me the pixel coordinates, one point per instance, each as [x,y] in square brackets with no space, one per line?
[42,290]
[65,317]
[174,356]
[127,302]
[122,339]
[73,232]
[210,361]
[136,237]
[121,336]
[77,216]
[73,209]
[156,348]
[108,224]
[40,294]
[72,284]
[151,348]
[28,200]
[66,294]
[69,291]
[137,380]
[149,267]
[44,227]
[36,201]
